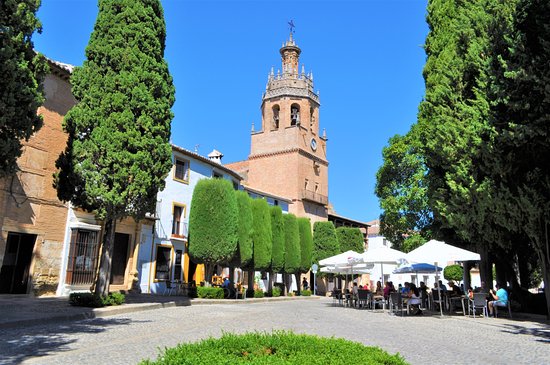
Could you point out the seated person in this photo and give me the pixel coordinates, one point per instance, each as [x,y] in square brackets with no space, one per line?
[500,298]
[454,290]
[442,286]
[406,289]
[387,290]
[414,299]
[379,291]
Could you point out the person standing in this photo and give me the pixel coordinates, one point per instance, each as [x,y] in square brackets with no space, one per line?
[305,284]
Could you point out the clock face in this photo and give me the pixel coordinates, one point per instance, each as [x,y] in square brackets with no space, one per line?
[313,144]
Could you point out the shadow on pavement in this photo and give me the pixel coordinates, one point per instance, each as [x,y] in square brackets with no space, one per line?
[36,341]
[540,334]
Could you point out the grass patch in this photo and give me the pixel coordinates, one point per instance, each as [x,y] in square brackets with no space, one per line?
[279,347]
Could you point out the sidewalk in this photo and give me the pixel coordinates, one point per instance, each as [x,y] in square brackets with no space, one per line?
[23,310]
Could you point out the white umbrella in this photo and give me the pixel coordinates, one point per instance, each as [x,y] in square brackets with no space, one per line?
[383,255]
[438,251]
[342,259]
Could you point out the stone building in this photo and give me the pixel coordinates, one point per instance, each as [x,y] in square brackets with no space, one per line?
[32,219]
[288,155]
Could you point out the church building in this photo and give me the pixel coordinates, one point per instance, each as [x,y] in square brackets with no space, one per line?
[288,155]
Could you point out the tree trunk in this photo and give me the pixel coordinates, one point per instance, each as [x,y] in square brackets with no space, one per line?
[104,273]
[298,282]
[543,251]
[251,279]
[270,283]
[485,267]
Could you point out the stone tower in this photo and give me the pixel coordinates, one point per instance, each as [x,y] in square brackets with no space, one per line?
[288,156]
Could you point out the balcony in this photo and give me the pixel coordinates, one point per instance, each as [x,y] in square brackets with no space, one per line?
[314,197]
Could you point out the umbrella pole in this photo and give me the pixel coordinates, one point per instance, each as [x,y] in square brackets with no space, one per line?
[439,291]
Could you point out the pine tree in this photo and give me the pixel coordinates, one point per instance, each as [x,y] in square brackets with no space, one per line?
[23,71]
[118,151]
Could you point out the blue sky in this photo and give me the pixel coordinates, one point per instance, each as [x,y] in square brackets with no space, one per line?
[366,57]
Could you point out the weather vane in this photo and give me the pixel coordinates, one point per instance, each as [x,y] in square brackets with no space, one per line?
[291,25]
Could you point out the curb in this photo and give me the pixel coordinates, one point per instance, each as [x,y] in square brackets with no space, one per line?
[139,307]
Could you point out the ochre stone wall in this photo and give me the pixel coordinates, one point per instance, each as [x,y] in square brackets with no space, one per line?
[28,200]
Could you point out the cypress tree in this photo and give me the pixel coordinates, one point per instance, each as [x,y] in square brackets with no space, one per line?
[118,151]
[244,230]
[306,244]
[23,71]
[350,239]
[292,247]
[278,243]
[325,241]
[261,234]
[213,223]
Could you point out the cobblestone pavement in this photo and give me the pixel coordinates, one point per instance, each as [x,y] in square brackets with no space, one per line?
[131,337]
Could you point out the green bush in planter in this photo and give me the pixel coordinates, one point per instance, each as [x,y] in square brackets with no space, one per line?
[96,301]
[258,294]
[278,347]
[306,293]
[209,292]
[276,292]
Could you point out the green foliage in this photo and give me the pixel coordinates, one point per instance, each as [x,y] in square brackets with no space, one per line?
[278,347]
[412,242]
[213,222]
[292,244]
[401,186]
[306,244]
[96,301]
[118,151]
[350,239]
[208,292]
[278,239]
[325,241]
[261,235]
[305,293]
[259,293]
[244,229]
[453,272]
[23,71]
[276,291]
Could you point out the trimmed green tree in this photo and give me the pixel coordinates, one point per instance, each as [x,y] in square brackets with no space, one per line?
[23,71]
[213,223]
[261,236]
[453,272]
[292,248]
[244,230]
[278,244]
[306,248]
[118,151]
[325,241]
[350,239]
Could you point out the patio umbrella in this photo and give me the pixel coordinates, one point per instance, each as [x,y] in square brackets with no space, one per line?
[438,251]
[383,255]
[348,258]
[422,268]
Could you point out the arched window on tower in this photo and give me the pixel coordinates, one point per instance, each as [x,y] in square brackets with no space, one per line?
[294,114]
[276,110]
[311,117]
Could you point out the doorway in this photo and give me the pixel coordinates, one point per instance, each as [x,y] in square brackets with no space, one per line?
[14,275]
[120,258]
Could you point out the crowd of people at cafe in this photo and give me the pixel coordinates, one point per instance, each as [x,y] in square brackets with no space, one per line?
[417,297]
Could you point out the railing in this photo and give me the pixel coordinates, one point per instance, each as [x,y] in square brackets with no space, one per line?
[314,197]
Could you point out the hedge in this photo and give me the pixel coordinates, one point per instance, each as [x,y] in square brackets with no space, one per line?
[209,292]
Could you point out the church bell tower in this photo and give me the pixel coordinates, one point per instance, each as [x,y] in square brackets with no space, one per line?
[288,156]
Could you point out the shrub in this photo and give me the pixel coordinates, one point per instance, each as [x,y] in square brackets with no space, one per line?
[209,292]
[279,347]
[276,292]
[259,294]
[453,272]
[306,293]
[96,301]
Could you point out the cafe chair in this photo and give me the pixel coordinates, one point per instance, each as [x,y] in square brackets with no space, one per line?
[170,288]
[479,301]
[496,307]
[396,303]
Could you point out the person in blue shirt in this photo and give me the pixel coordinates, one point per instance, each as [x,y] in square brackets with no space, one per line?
[500,298]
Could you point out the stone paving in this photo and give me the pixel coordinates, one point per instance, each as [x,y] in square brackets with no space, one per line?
[130,337]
